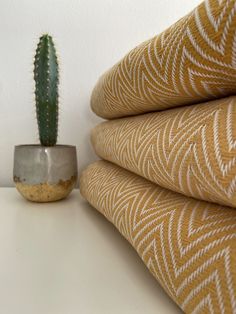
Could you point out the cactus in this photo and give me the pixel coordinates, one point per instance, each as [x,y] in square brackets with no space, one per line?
[46,90]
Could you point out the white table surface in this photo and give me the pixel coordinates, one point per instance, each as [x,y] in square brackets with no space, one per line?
[66,258]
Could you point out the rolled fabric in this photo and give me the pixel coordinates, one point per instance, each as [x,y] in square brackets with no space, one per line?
[189,246]
[194,60]
[190,150]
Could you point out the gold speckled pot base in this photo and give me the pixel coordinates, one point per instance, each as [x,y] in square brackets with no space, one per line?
[46,192]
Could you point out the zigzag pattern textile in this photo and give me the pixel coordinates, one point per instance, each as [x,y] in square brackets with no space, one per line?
[192,61]
[190,150]
[167,180]
[189,246]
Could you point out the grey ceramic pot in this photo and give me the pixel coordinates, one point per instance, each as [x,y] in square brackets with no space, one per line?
[45,174]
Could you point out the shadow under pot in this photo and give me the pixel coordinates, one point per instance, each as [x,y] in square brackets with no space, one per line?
[45,173]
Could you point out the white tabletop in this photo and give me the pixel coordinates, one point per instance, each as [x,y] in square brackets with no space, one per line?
[66,258]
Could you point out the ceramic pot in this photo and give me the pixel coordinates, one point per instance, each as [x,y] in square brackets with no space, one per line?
[45,174]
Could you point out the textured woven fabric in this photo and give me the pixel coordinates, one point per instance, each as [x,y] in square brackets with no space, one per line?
[190,150]
[192,61]
[189,246]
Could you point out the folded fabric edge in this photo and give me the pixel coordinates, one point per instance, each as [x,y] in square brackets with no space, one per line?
[182,65]
[158,222]
[116,141]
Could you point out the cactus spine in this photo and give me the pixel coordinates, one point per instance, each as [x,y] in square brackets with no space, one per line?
[46,90]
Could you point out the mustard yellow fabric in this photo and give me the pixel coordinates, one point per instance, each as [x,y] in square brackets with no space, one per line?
[192,61]
[189,246]
[190,150]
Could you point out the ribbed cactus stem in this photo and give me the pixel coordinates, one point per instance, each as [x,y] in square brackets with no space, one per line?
[46,90]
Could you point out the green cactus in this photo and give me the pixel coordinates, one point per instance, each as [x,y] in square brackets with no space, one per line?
[46,90]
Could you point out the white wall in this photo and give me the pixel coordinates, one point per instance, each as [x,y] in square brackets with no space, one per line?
[90,35]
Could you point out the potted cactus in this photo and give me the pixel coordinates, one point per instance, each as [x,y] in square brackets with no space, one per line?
[46,172]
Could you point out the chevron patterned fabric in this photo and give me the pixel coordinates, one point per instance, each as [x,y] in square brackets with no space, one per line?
[175,139]
[192,61]
[191,150]
[189,246]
